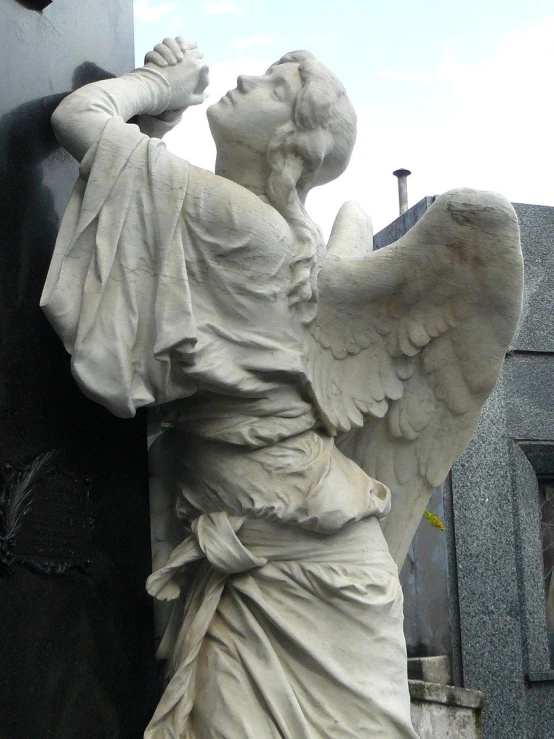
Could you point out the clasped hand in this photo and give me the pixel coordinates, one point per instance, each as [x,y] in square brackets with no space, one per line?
[181,63]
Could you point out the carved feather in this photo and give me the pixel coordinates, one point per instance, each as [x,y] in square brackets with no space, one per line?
[408,343]
[16,497]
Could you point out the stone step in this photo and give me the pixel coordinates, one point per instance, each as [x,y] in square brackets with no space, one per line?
[444,711]
[430,669]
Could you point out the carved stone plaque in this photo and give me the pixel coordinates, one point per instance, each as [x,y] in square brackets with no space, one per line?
[46,517]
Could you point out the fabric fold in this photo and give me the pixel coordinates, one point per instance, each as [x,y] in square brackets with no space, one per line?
[117,291]
[214,537]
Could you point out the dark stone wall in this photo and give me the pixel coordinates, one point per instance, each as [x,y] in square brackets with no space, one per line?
[76,635]
[397,228]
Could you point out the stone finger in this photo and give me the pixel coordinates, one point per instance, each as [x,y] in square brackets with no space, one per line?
[186,45]
[203,79]
[166,53]
[154,58]
[172,44]
[197,98]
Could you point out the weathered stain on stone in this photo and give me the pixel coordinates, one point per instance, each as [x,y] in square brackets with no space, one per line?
[445,711]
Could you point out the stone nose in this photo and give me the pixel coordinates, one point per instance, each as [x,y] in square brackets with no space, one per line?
[244,82]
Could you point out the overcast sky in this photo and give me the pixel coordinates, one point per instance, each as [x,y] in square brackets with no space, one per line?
[459,93]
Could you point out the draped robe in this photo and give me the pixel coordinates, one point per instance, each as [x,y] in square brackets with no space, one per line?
[169,283]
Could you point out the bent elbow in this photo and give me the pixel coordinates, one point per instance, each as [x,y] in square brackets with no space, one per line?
[58,119]
[65,119]
[76,125]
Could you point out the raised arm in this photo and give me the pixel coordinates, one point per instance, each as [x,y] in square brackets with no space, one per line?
[173,78]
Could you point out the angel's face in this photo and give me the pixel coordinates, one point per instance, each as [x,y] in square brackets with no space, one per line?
[252,112]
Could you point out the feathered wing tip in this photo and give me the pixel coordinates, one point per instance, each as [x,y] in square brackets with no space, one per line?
[352,232]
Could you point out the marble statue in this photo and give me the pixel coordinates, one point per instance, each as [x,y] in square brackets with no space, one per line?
[317,392]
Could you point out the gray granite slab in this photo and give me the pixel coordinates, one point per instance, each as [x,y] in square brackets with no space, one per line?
[489,599]
[536,332]
[529,380]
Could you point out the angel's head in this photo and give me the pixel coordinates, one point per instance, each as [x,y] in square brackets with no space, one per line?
[296,116]
[280,135]
[317,141]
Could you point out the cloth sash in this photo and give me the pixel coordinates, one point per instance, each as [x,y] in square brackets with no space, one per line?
[213,537]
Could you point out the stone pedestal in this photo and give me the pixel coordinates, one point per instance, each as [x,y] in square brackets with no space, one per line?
[445,712]
[439,710]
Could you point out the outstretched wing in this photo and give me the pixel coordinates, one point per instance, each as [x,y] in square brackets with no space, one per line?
[409,340]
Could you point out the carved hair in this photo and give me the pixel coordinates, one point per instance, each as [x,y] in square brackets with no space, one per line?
[310,150]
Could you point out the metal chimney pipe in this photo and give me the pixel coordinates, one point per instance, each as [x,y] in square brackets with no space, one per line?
[402,175]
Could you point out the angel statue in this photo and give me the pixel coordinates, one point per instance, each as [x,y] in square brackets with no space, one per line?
[317,392]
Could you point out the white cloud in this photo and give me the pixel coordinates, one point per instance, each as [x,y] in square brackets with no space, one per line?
[219,7]
[149,11]
[486,125]
[310,38]
[256,40]
[403,75]
[500,126]
[315,38]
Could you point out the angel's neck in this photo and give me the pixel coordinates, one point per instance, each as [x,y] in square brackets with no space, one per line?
[244,166]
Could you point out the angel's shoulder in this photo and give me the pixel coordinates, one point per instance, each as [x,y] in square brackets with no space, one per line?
[223,205]
[227,223]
